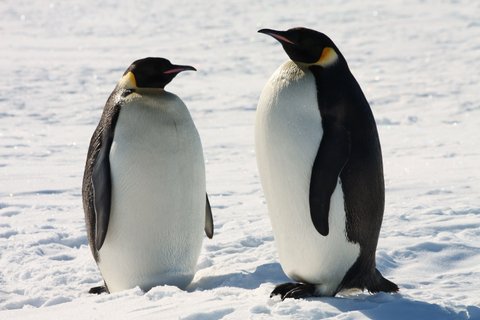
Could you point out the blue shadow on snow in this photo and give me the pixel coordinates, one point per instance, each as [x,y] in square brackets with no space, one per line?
[372,306]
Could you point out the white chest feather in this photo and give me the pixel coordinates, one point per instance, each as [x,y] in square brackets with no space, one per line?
[288,132]
[158,196]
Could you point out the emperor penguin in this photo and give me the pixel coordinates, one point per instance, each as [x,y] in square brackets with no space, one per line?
[144,192]
[320,165]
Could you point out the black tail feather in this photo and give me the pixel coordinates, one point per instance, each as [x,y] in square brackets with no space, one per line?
[377,283]
[373,281]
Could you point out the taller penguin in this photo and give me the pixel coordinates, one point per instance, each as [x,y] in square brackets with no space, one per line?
[320,165]
[144,184]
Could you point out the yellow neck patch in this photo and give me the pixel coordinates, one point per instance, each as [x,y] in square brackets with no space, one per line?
[327,58]
[128,81]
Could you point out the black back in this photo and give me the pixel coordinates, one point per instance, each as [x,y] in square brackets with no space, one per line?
[350,149]
[342,104]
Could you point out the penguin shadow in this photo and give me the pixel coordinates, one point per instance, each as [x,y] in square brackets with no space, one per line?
[396,307]
[269,272]
[372,306]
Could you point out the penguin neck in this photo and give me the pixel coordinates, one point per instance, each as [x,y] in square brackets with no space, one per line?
[333,76]
[335,84]
[124,94]
[146,91]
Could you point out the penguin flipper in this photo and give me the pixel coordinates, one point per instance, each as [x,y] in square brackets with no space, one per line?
[332,156]
[208,219]
[101,180]
[102,193]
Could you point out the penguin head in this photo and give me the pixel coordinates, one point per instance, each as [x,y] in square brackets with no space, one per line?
[306,46]
[151,73]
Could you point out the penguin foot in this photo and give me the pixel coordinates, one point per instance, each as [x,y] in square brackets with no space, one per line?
[282,289]
[98,290]
[294,290]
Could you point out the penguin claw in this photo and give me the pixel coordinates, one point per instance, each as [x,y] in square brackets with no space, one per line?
[301,291]
[282,289]
[294,290]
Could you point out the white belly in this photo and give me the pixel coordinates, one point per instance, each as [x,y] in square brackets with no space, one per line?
[157,216]
[288,132]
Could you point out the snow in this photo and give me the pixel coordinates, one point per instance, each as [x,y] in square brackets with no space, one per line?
[417,62]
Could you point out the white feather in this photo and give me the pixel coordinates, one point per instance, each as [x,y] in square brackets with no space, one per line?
[288,132]
[157,217]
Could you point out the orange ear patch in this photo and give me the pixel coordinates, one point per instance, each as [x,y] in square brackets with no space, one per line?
[328,57]
[128,81]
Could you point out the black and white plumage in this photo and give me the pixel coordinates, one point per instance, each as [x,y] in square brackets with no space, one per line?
[320,165]
[144,184]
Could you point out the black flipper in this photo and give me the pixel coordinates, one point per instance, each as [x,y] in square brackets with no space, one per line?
[331,157]
[102,183]
[102,191]
[208,219]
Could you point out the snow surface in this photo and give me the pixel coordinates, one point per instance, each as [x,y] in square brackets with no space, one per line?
[417,62]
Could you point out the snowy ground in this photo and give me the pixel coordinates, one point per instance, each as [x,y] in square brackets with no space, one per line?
[417,62]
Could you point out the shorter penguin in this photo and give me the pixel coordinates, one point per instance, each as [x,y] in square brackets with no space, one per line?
[144,184]
[320,164]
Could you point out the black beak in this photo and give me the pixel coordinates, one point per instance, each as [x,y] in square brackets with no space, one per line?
[281,36]
[177,69]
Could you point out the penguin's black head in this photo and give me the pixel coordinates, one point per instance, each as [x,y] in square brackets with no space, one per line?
[306,46]
[151,73]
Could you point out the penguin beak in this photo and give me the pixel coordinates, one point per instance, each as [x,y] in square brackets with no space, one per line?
[278,35]
[177,69]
